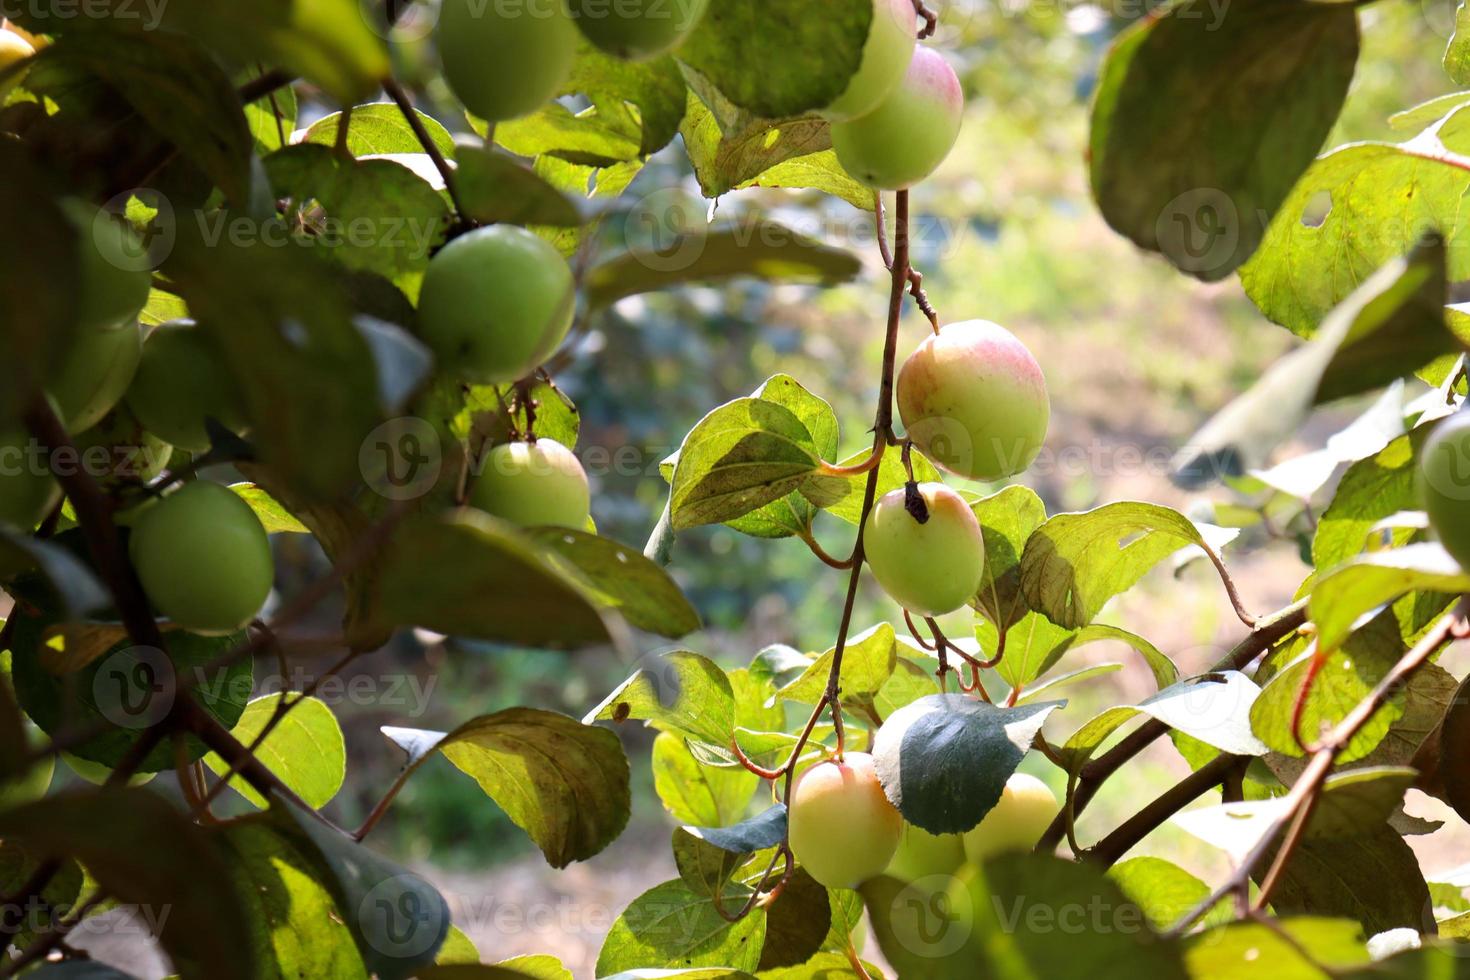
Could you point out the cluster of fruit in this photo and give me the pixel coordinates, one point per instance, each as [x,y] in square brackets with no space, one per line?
[844,831]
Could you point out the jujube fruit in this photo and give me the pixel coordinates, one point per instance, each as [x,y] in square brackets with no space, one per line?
[974,400]
[533,485]
[1445,484]
[929,568]
[842,828]
[636,29]
[204,558]
[182,380]
[495,304]
[921,854]
[892,38]
[505,60]
[28,491]
[912,130]
[113,282]
[1026,807]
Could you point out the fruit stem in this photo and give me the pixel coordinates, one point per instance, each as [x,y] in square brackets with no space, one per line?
[931,19]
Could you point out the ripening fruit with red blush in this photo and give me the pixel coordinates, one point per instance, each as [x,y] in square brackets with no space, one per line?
[974,401]
[892,38]
[910,133]
[843,830]
[930,567]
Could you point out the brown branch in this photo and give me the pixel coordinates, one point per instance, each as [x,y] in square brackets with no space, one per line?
[1214,773]
[1270,631]
[931,19]
[411,116]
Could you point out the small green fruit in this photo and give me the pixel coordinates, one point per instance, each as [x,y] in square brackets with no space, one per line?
[931,568]
[637,29]
[1445,484]
[113,276]
[921,854]
[1016,823]
[843,830]
[95,373]
[534,485]
[180,381]
[505,59]
[203,558]
[910,133]
[892,37]
[118,450]
[974,401]
[495,304]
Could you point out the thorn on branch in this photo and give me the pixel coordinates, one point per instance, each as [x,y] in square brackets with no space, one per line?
[930,18]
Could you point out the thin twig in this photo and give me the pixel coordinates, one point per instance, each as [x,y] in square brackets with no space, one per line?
[410,114]
[1112,847]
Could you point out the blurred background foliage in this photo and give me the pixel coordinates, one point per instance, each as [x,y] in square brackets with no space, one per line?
[1136,356]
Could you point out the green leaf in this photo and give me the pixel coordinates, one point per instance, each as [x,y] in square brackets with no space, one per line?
[273,517]
[842,497]
[867,663]
[271,118]
[467,574]
[380,216]
[672,927]
[621,579]
[1371,490]
[1457,54]
[768,251]
[1075,563]
[1305,267]
[124,689]
[378,128]
[945,759]
[1193,177]
[176,88]
[70,580]
[1373,879]
[1454,768]
[1035,645]
[562,782]
[681,691]
[1389,327]
[797,925]
[779,62]
[457,950]
[1007,520]
[18,863]
[1357,802]
[1165,892]
[698,794]
[1343,595]
[743,455]
[398,919]
[142,850]
[296,929]
[40,246]
[656,88]
[517,968]
[281,320]
[496,189]
[1236,951]
[328,42]
[708,857]
[590,137]
[305,750]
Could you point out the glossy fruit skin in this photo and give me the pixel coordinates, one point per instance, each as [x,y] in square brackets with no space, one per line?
[892,38]
[974,401]
[95,373]
[180,381]
[1444,482]
[113,284]
[910,133]
[1017,822]
[13,48]
[495,304]
[505,58]
[843,830]
[534,485]
[921,854]
[637,30]
[28,491]
[932,568]
[203,558]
